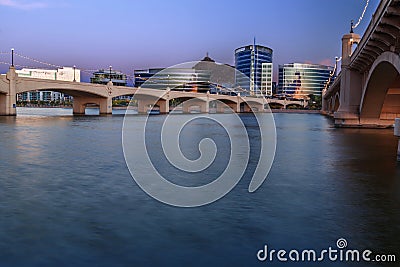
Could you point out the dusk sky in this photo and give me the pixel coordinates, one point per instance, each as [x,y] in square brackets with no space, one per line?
[144,34]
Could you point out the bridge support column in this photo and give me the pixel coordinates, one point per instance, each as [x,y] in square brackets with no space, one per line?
[106,105]
[143,105]
[238,99]
[325,106]
[350,87]
[164,106]
[205,107]
[8,102]
[78,106]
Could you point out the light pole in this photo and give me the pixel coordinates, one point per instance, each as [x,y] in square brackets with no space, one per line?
[352,26]
[12,57]
[74,73]
[110,72]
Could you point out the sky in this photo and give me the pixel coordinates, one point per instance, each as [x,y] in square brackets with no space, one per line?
[128,35]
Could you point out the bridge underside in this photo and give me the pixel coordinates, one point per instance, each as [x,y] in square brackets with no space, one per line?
[83,99]
[80,103]
[381,102]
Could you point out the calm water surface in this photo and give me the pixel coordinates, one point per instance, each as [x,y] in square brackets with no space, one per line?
[67,197]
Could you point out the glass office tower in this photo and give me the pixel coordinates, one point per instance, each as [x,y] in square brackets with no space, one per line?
[300,80]
[176,78]
[255,62]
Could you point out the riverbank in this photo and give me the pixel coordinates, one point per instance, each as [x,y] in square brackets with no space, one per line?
[299,111]
[44,106]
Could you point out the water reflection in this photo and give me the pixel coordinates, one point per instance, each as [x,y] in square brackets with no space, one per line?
[67,198]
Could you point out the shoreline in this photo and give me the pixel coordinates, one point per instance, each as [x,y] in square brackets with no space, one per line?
[298,111]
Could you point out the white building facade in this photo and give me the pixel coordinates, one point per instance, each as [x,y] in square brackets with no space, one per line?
[61,74]
[266,79]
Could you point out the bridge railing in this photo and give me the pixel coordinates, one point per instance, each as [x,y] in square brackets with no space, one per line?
[376,18]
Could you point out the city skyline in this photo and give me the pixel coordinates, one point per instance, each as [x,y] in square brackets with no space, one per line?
[135,35]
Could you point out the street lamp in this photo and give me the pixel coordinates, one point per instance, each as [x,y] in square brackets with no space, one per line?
[12,57]
[352,26]
[110,72]
[74,73]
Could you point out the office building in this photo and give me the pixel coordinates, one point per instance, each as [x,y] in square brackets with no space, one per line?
[255,62]
[141,76]
[188,77]
[299,80]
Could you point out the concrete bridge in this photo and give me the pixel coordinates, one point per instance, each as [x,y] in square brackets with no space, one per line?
[101,95]
[366,93]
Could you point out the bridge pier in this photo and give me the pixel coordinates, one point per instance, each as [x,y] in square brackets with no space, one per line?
[105,105]
[164,106]
[350,86]
[8,101]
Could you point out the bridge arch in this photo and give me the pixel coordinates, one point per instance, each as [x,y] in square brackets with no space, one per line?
[252,105]
[380,102]
[72,89]
[224,105]
[195,105]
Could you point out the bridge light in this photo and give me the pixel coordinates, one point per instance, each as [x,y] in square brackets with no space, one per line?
[12,57]
[352,26]
[74,73]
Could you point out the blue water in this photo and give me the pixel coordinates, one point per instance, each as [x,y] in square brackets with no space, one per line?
[67,197]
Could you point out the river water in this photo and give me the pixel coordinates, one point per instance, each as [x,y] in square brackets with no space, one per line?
[67,198]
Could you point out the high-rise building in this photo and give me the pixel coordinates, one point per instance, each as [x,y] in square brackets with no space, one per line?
[300,80]
[255,62]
